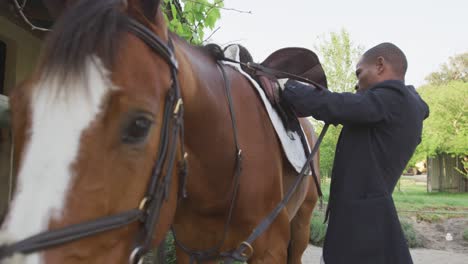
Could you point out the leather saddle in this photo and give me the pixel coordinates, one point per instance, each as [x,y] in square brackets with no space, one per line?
[294,63]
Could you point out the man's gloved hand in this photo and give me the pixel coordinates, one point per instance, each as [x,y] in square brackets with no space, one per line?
[283,83]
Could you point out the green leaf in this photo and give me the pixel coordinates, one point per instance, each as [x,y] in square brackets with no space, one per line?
[174,11]
[196,17]
[211,19]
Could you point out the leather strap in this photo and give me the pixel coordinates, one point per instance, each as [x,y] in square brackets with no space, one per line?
[239,254]
[153,41]
[262,70]
[172,128]
[213,253]
[71,233]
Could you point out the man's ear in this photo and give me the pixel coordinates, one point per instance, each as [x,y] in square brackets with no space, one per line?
[380,64]
[150,8]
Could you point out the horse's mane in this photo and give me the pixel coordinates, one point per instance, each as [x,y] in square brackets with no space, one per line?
[211,51]
[88,28]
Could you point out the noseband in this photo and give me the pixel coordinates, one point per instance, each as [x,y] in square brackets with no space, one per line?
[148,212]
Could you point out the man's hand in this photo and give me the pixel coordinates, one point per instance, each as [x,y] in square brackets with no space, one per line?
[283,83]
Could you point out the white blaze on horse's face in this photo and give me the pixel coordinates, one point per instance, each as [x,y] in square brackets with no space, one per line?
[58,122]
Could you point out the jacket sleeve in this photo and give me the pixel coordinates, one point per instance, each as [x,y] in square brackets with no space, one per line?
[372,106]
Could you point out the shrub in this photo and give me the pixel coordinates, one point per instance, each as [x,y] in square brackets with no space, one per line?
[317,229]
[465,234]
[412,237]
[169,252]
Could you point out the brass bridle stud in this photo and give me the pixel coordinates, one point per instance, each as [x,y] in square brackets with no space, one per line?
[142,205]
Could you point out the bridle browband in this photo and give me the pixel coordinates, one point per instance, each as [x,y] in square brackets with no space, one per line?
[147,213]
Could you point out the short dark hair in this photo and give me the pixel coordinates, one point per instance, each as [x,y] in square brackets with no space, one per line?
[391,53]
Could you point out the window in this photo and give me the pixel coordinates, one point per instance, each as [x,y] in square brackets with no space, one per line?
[2,66]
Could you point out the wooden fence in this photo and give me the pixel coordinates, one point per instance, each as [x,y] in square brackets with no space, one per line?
[442,175]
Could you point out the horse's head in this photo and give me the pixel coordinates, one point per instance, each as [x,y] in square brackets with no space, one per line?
[89,128]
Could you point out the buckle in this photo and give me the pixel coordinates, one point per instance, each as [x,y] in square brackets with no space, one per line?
[136,256]
[177,106]
[250,251]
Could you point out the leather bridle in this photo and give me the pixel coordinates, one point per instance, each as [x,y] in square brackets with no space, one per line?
[148,212]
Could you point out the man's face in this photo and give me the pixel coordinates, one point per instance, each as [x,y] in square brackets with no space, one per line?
[367,75]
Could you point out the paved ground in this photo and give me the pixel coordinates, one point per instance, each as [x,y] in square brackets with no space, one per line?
[420,256]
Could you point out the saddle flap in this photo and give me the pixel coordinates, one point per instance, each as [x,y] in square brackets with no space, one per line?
[297,61]
[270,88]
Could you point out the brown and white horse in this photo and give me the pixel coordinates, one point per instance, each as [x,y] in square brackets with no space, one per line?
[87,128]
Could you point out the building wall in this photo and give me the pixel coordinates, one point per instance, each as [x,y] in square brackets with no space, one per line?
[22,54]
[5,181]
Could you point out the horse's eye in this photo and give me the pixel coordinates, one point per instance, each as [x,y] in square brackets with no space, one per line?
[137,130]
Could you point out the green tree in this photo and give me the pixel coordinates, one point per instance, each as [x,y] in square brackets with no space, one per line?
[455,69]
[446,129]
[339,56]
[190,18]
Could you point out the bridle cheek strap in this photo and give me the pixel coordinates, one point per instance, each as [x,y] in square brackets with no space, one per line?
[148,212]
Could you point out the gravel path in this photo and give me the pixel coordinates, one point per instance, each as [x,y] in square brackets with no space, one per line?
[420,256]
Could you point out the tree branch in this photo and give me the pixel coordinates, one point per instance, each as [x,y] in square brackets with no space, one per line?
[19,9]
[212,33]
[223,8]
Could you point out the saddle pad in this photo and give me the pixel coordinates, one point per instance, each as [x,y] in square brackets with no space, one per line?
[290,141]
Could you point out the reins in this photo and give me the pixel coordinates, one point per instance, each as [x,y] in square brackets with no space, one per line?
[262,70]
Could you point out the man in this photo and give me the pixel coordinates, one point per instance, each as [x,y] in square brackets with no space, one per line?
[382,126]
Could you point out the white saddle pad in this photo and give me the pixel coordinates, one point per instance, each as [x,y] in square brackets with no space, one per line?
[292,146]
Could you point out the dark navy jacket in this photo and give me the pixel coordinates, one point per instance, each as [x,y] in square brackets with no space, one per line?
[381,129]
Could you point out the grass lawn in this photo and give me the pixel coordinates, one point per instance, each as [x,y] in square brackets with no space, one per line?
[411,195]
[414,196]
[411,200]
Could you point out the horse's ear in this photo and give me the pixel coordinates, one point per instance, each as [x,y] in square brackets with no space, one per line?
[150,8]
